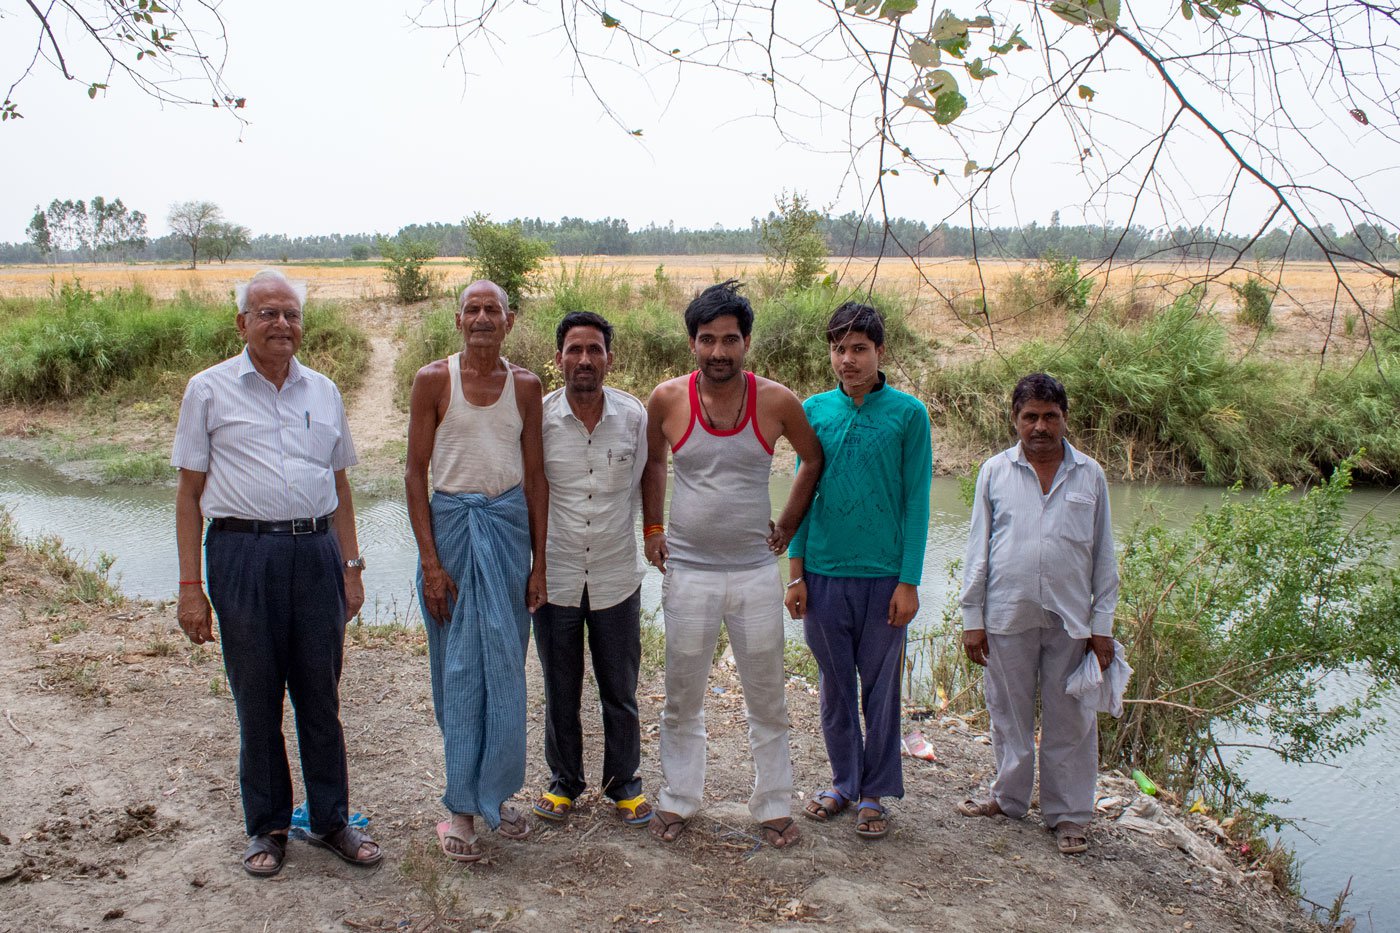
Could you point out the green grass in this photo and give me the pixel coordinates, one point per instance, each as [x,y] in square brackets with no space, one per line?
[125,343]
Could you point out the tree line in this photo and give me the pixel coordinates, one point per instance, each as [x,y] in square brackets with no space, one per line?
[100,230]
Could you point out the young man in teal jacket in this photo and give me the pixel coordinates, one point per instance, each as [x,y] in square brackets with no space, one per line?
[856,563]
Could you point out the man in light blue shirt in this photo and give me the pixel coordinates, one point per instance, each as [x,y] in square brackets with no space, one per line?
[1040,587]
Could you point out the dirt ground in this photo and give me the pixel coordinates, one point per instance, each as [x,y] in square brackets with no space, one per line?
[119,809]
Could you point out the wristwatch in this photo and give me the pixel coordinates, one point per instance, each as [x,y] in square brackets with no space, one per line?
[355,563]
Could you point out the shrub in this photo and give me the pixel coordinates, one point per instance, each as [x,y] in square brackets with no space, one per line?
[793,244]
[1256,301]
[503,254]
[406,267]
[1053,285]
[359,252]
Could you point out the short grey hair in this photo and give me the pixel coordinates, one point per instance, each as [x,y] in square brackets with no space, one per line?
[268,277]
[505,299]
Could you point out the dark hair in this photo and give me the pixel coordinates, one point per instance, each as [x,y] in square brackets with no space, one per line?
[854,317]
[717,301]
[582,319]
[1039,387]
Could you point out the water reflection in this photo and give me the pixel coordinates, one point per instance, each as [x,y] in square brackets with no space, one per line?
[1343,811]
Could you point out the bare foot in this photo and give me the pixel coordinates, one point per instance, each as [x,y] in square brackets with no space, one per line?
[780,833]
[666,826]
[460,838]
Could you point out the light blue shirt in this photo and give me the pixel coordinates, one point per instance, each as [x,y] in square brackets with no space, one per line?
[1030,553]
[267,454]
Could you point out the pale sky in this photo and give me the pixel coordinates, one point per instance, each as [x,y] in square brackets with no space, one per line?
[360,122]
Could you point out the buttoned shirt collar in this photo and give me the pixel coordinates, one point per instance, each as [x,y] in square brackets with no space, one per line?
[246,366]
[872,394]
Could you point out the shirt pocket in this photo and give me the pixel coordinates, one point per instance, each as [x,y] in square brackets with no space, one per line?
[1077,518]
[318,441]
[618,464]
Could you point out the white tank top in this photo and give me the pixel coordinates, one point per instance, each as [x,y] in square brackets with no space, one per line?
[477,447]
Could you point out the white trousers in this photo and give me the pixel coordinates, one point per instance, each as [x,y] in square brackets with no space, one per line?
[750,605]
[1069,738]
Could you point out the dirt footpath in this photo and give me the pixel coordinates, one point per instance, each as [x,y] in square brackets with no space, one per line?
[119,810]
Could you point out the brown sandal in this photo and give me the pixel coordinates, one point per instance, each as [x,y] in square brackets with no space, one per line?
[273,844]
[1071,838]
[345,844]
[667,826]
[776,832]
[972,806]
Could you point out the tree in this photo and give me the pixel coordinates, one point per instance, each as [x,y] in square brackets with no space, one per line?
[793,243]
[93,229]
[160,46]
[505,255]
[1202,111]
[190,221]
[222,240]
[406,267]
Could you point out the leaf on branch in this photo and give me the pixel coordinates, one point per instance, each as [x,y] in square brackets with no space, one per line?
[913,99]
[1359,116]
[894,9]
[1208,11]
[636,132]
[863,7]
[610,21]
[924,54]
[969,167]
[94,88]
[1187,10]
[978,71]
[9,111]
[1014,43]
[981,22]
[1086,92]
[940,82]
[948,25]
[954,47]
[947,107]
[1070,12]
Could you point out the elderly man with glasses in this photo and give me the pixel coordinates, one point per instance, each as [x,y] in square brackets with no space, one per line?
[262,446]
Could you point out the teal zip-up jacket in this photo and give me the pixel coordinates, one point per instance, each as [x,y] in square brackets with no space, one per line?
[870,514]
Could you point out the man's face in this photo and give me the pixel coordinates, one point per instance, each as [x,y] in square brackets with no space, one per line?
[856,359]
[585,359]
[719,348]
[271,322]
[483,319]
[1041,426]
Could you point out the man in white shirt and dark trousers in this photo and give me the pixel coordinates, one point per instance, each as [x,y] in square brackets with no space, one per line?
[1040,587]
[262,446]
[594,452]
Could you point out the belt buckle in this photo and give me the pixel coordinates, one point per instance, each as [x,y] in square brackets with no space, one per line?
[303,526]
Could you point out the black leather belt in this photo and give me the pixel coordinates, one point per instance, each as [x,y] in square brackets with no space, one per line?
[297,526]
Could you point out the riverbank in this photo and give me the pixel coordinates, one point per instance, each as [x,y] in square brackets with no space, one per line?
[122,805]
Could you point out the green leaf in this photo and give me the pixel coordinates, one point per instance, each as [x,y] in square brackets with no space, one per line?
[948,25]
[894,9]
[864,7]
[947,107]
[924,53]
[1014,42]
[978,71]
[1070,11]
[92,91]
[940,82]
[1209,12]
[636,132]
[1086,92]
[954,47]
[913,99]
[610,21]
[982,22]
[1187,11]
[969,167]
[1104,10]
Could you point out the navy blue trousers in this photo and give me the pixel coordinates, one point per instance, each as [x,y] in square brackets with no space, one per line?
[615,642]
[280,600]
[860,657]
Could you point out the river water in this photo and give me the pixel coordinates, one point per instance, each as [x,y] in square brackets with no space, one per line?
[1348,825]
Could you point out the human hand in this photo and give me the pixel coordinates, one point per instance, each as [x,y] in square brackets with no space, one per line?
[656,551]
[354,592]
[796,600]
[976,646]
[1102,646]
[903,604]
[439,593]
[536,592]
[194,615]
[778,537]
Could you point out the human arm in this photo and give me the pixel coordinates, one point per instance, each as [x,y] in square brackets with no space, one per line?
[795,596]
[192,610]
[798,430]
[531,394]
[917,476]
[975,558]
[1105,578]
[439,589]
[344,522]
[654,479]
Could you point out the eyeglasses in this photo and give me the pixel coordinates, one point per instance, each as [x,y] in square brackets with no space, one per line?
[269,316]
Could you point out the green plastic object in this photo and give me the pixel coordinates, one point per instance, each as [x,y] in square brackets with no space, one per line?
[1145,784]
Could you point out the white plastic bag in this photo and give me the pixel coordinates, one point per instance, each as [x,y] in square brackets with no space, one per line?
[1101,689]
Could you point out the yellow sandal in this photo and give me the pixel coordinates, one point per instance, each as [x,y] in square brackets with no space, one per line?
[553,807]
[628,810]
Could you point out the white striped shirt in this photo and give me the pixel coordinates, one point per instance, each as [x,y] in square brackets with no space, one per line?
[594,495]
[1031,553]
[269,455]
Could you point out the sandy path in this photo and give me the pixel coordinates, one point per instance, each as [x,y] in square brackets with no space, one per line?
[374,419]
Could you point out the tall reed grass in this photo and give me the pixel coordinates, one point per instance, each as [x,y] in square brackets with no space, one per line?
[77,343]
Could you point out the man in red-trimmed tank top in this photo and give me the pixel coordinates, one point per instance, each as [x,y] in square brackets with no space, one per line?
[719,554]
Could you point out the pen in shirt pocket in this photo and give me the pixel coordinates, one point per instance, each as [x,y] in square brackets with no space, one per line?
[308,420]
